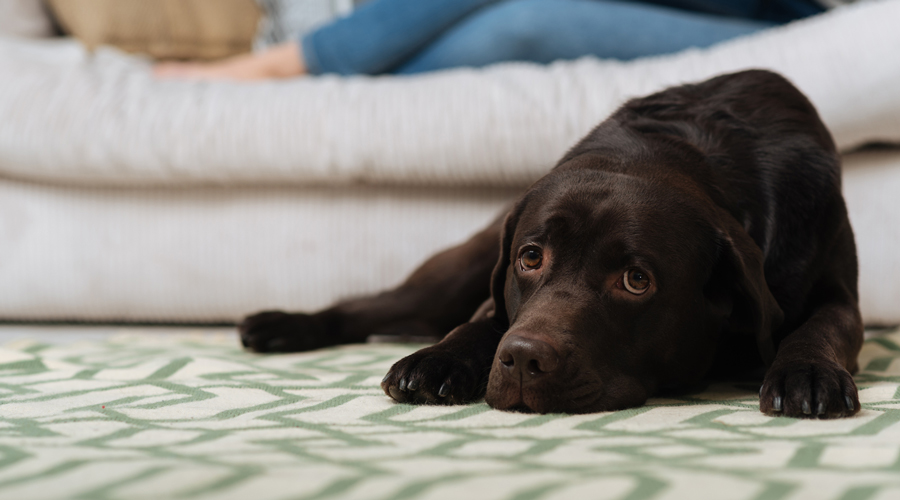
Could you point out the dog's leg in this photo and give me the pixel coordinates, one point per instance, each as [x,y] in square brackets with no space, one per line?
[439,295]
[453,371]
[811,375]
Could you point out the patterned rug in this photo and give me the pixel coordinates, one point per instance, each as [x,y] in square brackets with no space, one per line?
[190,415]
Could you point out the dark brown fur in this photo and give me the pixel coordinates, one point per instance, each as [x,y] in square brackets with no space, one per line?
[726,194]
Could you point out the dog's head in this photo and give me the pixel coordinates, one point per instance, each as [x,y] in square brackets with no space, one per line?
[614,286]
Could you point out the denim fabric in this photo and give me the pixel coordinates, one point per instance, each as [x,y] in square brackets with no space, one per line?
[380,34]
[413,36]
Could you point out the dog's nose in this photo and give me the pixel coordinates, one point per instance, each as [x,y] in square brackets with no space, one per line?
[527,359]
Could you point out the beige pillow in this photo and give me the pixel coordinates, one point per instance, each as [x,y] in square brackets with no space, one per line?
[163,29]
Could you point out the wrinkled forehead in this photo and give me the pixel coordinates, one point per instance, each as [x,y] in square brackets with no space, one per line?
[611,210]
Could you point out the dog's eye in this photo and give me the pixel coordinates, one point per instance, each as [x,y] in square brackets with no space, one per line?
[531,258]
[636,281]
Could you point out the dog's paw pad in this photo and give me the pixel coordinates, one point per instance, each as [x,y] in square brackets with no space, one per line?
[276,331]
[432,376]
[809,390]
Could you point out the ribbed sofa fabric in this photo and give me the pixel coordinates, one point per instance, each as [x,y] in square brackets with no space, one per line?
[100,118]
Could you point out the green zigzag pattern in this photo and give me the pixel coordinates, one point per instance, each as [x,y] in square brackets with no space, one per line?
[190,415]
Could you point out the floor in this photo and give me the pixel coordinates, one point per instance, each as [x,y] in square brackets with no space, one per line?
[140,412]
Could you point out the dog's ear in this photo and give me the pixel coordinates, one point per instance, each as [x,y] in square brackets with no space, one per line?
[498,278]
[739,284]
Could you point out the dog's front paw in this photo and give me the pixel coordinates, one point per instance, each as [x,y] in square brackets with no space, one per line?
[276,331]
[434,375]
[822,389]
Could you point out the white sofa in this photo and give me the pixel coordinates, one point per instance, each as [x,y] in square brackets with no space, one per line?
[130,199]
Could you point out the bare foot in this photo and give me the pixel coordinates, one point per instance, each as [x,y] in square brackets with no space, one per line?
[280,61]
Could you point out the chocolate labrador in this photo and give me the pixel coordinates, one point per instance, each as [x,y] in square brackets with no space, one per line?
[697,232]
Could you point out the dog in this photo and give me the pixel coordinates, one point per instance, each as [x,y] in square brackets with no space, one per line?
[697,232]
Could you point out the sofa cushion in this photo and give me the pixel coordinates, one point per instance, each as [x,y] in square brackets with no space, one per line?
[70,116]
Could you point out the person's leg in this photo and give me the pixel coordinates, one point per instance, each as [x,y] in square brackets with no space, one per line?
[779,11]
[380,34]
[411,36]
[371,40]
[543,31]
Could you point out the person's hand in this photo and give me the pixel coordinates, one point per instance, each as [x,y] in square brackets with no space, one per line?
[280,61]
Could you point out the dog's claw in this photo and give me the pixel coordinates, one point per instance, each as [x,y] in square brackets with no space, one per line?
[278,344]
[434,375]
[386,377]
[814,389]
[777,404]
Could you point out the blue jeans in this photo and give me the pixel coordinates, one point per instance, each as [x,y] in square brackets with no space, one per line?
[414,36]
